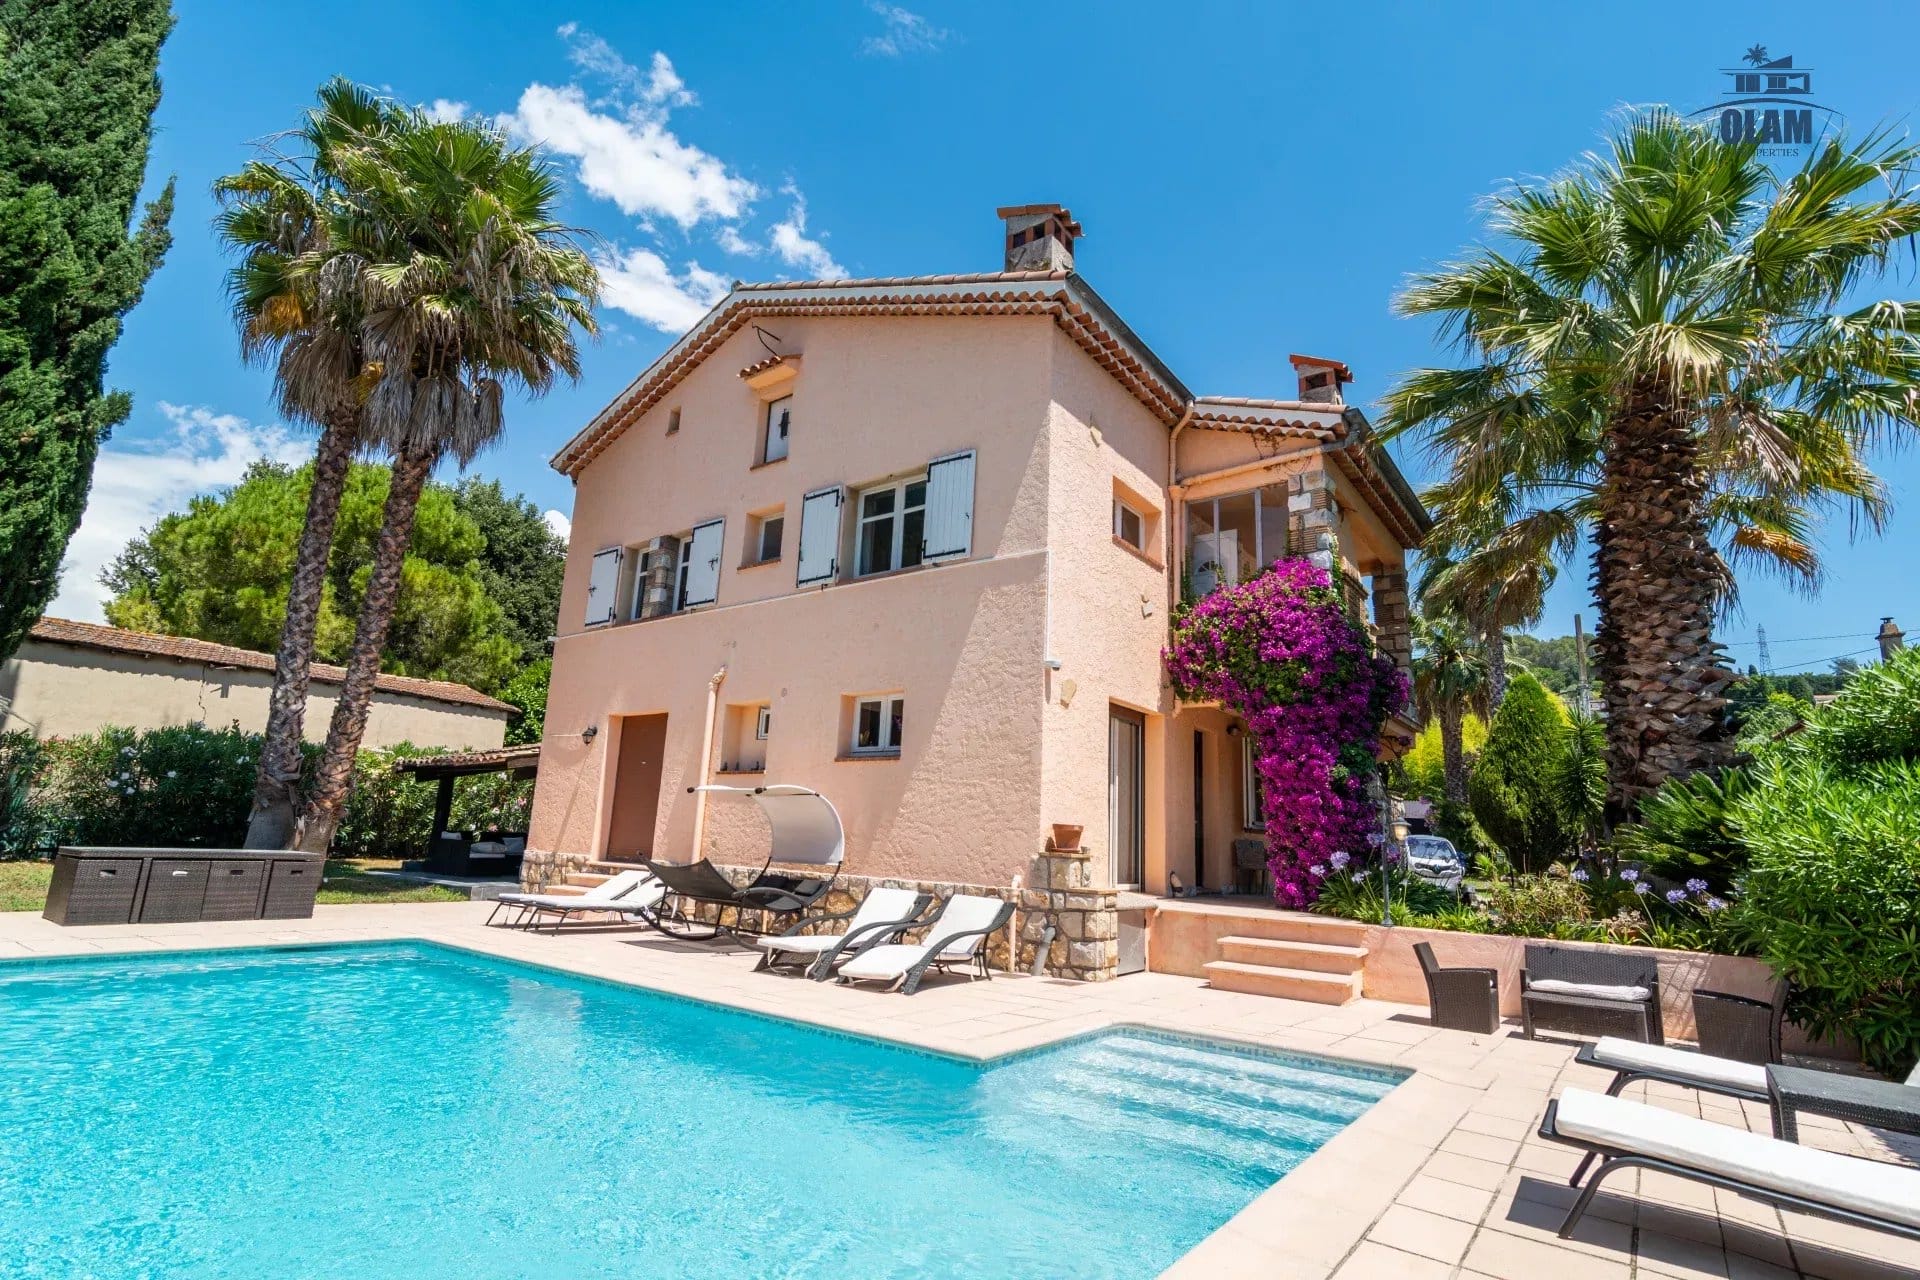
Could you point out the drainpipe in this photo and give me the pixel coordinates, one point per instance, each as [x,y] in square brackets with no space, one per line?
[1173,532]
[706,762]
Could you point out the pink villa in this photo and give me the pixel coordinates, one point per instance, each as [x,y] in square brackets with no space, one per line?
[914,542]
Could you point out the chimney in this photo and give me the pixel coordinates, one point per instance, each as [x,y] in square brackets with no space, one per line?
[1320,379]
[1892,639]
[1039,237]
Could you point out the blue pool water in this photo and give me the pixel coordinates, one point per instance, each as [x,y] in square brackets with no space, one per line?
[391,1111]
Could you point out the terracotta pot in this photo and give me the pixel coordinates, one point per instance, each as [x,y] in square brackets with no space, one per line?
[1066,836]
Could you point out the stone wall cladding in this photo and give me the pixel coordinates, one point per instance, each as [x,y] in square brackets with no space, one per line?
[541,871]
[1086,920]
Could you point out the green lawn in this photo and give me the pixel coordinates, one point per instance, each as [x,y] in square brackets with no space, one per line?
[23,885]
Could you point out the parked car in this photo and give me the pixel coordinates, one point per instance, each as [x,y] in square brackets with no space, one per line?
[1435,860]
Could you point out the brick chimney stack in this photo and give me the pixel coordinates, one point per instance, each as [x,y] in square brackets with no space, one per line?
[1040,237]
[1892,639]
[1320,378]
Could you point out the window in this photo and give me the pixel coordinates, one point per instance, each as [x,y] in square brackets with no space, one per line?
[892,526]
[765,532]
[697,577]
[763,724]
[640,558]
[673,422]
[1129,525]
[877,725]
[774,442]
[1253,804]
[1233,537]
[680,577]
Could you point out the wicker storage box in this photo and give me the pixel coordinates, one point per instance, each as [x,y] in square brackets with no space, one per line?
[290,889]
[92,890]
[234,889]
[176,890]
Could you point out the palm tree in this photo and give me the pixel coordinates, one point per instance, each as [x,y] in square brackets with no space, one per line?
[446,247]
[1662,344]
[1450,678]
[274,217]
[1494,576]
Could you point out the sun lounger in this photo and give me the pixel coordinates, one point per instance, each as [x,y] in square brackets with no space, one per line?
[1632,1135]
[957,936]
[1631,1060]
[623,889]
[881,916]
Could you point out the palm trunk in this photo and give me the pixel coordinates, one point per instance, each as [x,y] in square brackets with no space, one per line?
[1496,641]
[329,794]
[1453,754]
[1657,581]
[276,785]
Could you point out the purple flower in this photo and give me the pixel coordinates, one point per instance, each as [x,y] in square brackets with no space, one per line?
[1317,870]
[1339,859]
[1642,887]
[1696,886]
[1676,896]
[1630,875]
[1580,874]
[1359,877]
[1716,904]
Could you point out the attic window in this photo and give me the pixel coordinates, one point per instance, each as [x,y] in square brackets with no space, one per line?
[673,422]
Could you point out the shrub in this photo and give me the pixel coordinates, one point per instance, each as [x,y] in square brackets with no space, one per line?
[1687,830]
[1512,789]
[25,829]
[1538,906]
[1875,717]
[527,691]
[390,815]
[1423,770]
[1832,891]
[185,786]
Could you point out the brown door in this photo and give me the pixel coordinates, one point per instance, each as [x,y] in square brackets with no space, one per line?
[636,787]
[1126,798]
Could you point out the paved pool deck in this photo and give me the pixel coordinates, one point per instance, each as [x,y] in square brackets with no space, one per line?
[1443,1178]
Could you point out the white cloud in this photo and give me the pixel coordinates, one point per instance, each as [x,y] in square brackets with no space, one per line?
[903,31]
[136,483]
[640,283]
[558,522]
[730,239]
[622,143]
[789,239]
[446,110]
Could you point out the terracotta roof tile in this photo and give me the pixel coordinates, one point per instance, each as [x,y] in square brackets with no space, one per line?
[504,757]
[91,635]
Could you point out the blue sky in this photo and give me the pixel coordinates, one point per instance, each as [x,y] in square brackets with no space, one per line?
[1254,180]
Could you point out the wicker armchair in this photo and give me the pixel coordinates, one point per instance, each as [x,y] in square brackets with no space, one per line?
[1739,1027]
[1460,999]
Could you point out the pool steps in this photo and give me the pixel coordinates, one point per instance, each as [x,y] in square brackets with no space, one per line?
[1313,958]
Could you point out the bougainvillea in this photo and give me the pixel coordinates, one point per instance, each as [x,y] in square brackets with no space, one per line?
[1280,651]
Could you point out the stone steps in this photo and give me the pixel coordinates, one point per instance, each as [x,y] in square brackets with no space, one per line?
[1318,957]
[1297,926]
[1288,984]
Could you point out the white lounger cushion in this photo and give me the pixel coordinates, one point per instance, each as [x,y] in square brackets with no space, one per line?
[629,889]
[1886,1191]
[1596,990]
[878,907]
[963,913]
[1631,1055]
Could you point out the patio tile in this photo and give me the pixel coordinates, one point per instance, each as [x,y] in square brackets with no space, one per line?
[1377,1262]
[1474,1173]
[1453,1200]
[1427,1234]
[1510,1257]
[1482,1146]
[1668,1255]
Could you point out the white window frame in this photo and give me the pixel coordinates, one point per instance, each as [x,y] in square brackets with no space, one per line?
[1121,509]
[760,536]
[762,724]
[643,558]
[680,572]
[885,744]
[1252,804]
[768,440]
[899,517]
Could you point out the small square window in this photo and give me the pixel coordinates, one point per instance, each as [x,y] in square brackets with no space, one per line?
[877,725]
[1129,525]
[763,724]
[779,419]
[673,422]
[766,532]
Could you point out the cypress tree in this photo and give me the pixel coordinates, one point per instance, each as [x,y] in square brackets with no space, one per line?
[79,80]
[1512,790]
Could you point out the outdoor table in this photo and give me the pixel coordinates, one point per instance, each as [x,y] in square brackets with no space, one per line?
[1860,1099]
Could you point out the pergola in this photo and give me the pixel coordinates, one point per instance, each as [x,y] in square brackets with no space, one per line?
[521,762]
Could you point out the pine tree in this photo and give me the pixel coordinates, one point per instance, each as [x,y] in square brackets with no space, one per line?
[1513,786]
[79,80]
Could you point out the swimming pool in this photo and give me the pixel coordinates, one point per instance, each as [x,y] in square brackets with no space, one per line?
[406,1110]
